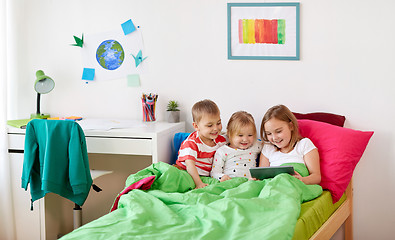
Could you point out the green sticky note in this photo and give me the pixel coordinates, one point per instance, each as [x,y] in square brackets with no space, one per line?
[133,80]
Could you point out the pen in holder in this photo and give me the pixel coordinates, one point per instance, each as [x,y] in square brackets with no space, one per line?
[148,103]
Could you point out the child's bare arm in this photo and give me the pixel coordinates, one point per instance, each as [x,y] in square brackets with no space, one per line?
[312,161]
[263,161]
[191,169]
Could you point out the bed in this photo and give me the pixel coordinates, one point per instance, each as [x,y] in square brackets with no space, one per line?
[159,202]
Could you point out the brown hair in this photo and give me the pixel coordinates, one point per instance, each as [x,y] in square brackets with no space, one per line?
[281,113]
[204,107]
[238,120]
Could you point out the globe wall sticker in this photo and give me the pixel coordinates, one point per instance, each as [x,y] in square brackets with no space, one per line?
[108,50]
[110,54]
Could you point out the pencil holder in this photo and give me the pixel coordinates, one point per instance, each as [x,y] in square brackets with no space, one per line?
[148,104]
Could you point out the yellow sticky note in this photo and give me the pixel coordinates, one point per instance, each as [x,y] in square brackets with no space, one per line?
[133,80]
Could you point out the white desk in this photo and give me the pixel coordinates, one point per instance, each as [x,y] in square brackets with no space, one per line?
[150,139]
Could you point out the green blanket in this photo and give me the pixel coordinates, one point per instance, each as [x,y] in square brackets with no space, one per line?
[234,209]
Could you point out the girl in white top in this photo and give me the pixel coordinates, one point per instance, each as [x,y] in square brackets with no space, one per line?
[283,144]
[235,158]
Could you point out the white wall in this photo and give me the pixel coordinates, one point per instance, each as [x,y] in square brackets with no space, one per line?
[346,67]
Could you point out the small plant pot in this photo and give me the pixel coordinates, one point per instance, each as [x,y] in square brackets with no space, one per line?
[173,116]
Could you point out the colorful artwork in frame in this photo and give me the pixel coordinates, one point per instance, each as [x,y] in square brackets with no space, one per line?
[263,31]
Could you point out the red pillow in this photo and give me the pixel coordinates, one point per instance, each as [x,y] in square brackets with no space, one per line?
[340,150]
[330,118]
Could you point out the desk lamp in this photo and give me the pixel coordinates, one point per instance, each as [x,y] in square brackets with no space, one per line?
[42,85]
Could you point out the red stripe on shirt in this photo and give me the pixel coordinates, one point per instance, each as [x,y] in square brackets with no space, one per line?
[189,144]
[205,154]
[220,139]
[208,169]
[186,157]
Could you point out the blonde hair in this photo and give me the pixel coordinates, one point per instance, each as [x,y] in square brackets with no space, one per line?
[237,121]
[282,113]
[204,107]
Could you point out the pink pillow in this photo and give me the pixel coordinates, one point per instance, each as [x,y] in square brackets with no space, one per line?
[331,118]
[340,150]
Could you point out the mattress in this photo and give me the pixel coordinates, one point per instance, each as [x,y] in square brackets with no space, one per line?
[314,213]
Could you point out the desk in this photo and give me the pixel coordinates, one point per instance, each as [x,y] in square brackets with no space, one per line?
[150,139]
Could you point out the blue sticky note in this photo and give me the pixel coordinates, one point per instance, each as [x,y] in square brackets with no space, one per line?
[128,27]
[88,74]
[133,80]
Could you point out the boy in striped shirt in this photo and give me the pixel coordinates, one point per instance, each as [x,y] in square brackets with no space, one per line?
[197,151]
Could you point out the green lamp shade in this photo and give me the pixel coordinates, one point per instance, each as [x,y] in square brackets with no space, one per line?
[43,83]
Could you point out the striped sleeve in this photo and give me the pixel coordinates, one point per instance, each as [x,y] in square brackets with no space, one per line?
[188,150]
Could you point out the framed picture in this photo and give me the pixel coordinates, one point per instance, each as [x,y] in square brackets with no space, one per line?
[263,31]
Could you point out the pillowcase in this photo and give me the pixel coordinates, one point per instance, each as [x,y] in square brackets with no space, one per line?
[177,140]
[340,150]
[330,118]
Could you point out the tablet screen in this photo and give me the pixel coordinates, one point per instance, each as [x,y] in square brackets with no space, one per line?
[270,172]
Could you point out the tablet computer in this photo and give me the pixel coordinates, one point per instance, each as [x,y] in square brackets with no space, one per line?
[270,172]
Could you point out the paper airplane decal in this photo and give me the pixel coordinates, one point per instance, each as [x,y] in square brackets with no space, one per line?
[139,58]
[78,41]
